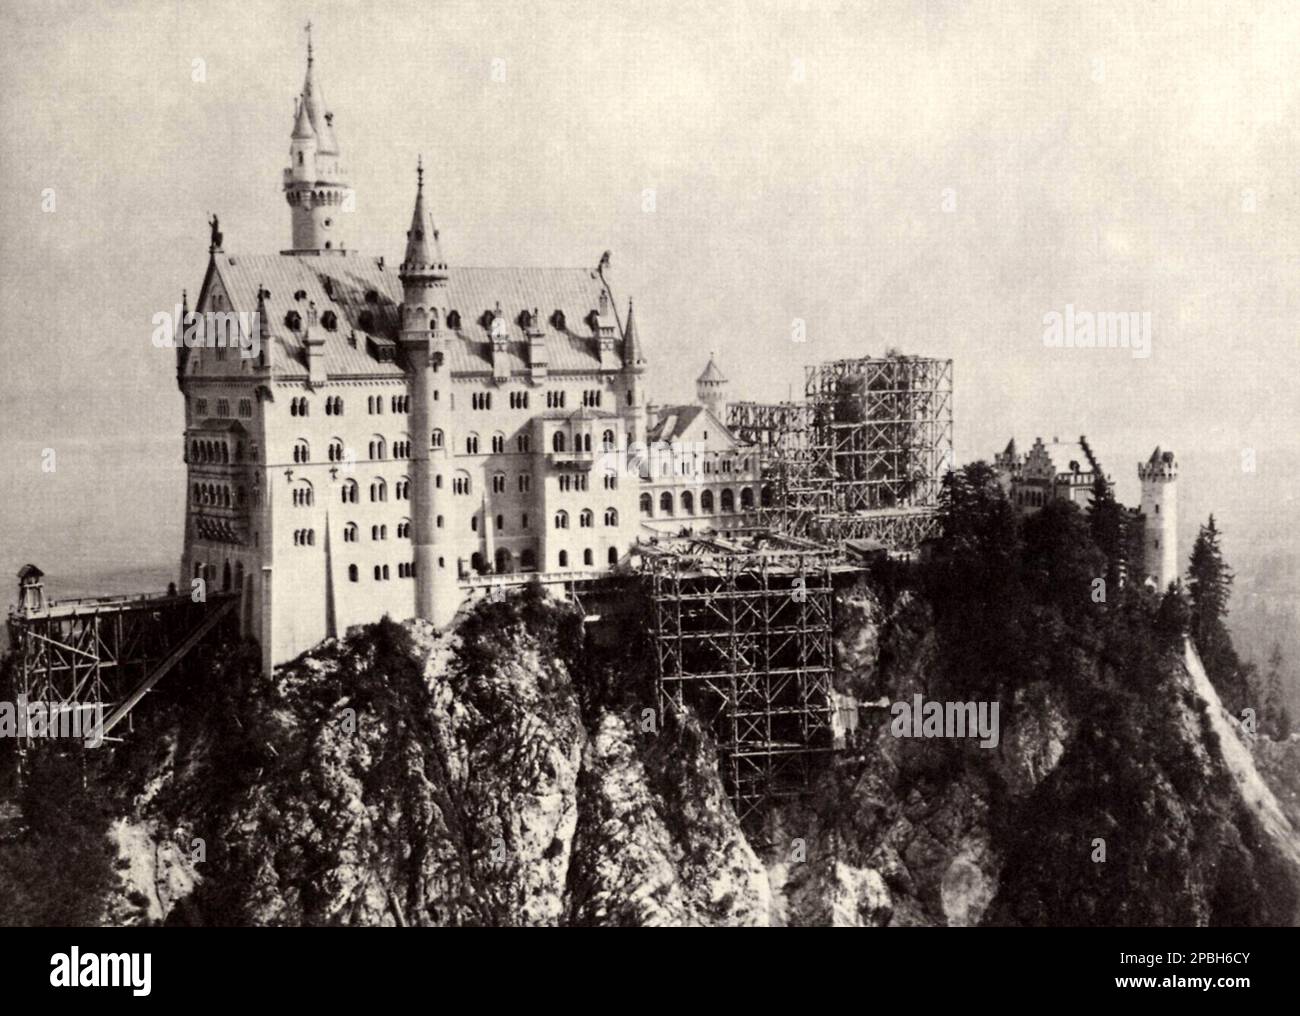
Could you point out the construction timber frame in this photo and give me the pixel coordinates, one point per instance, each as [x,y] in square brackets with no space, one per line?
[744,640]
[101,656]
[863,456]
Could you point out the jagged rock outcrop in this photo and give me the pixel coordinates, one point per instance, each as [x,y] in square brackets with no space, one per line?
[506,773]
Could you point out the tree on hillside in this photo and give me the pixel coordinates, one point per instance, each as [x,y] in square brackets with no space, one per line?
[1106,523]
[1274,715]
[1209,585]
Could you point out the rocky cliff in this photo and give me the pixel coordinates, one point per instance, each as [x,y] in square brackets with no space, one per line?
[513,771]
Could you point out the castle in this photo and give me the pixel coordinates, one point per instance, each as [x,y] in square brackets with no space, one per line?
[1067,471]
[402,429]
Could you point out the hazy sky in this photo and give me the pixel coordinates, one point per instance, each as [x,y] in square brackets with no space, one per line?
[936,176]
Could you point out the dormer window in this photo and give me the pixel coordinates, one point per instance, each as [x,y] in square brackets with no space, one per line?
[372,296]
[300,294]
[453,320]
[557,320]
[329,320]
[293,320]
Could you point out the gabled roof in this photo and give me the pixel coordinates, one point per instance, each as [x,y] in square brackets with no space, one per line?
[1062,454]
[672,423]
[472,292]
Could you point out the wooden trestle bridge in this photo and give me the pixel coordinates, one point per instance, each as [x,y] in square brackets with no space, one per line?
[100,656]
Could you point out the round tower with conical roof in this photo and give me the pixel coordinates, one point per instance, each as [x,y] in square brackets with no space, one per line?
[711,390]
[315,187]
[423,340]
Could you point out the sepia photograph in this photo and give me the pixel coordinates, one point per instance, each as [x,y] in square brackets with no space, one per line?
[682,463]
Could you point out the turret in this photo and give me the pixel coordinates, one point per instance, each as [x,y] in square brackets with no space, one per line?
[423,340]
[711,389]
[1159,476]
[634,364]
[314,183]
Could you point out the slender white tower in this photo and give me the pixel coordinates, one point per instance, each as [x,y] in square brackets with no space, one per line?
[1159,476]
[423,341]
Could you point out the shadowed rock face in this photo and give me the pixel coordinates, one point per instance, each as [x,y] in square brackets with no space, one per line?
[510,773]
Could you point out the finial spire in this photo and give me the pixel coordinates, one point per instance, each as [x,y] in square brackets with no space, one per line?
[419,173]
[308,30]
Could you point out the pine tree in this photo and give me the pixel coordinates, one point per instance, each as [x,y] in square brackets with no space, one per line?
[1209,584]
[1106,523]
[1273,709]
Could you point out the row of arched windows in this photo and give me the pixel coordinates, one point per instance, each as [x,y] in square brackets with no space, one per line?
[217,495]
[586,518]
[214,451]
[304,537]
[298,406]
[589,557]
[668,504]
[334,405]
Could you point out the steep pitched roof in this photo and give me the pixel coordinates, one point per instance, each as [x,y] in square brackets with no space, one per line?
[570,343]
[423,251]
[711,372]
[673,423]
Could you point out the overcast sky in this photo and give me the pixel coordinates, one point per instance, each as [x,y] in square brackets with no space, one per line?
[936,176]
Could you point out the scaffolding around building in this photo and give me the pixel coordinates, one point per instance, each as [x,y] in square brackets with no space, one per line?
[863,456]
[742,635]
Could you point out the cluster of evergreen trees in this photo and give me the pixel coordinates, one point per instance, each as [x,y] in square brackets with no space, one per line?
[1051,600]
[1240,685]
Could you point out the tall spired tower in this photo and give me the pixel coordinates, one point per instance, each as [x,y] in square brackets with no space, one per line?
[314,184]
[423,341]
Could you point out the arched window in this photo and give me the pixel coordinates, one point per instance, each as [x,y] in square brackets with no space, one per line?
[585,518]
[688,503]
[706,502]
[498,483]
[460,483]
[728,500]
[564,559]
[435,440]
[404,529]
[765,496]
[498,442]
[378,447]
[502,560]
[527,560]
[301,451]
[378,490]
[302,495]
[561,519]
[611,480]
[349,491]
[402,489]
[607,441]
[611,517]
[557,442]
[453,320]
[647,504]
[335,452]
[350,533]
[471,444]
[746,498]
[352,573]
[587,558]
[613,555]
[523,443]
[666,503]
